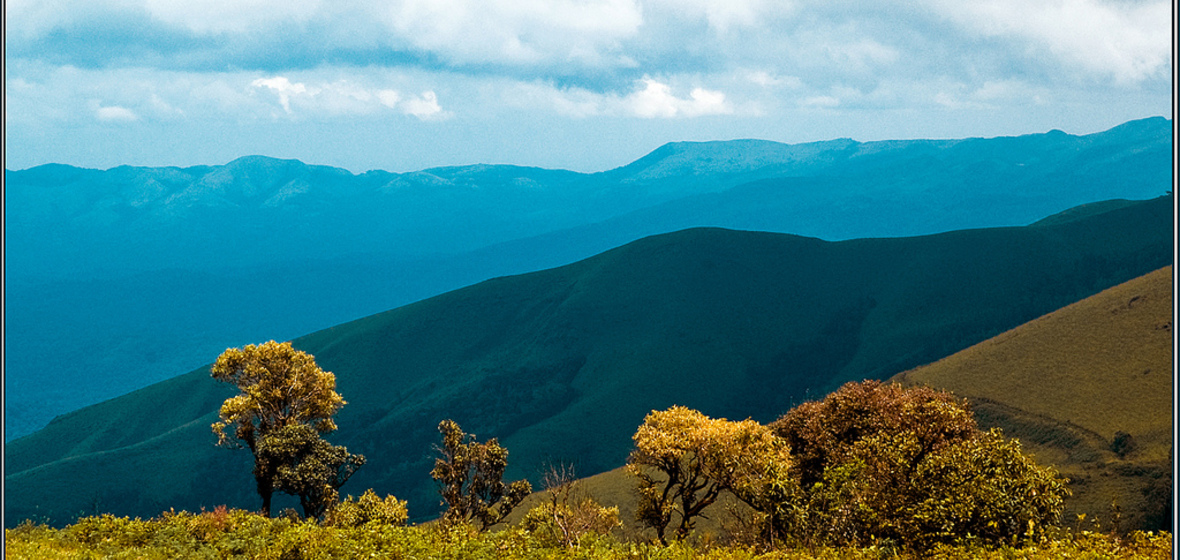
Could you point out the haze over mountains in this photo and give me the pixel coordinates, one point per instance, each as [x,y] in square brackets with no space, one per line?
[119,278]
[562,364]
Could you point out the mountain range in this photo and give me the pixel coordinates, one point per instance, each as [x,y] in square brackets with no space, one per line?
[562,364]
[119,278]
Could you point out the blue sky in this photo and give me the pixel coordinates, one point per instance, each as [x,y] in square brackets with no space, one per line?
[578,84]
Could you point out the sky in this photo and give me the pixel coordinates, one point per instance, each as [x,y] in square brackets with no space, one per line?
[587,85]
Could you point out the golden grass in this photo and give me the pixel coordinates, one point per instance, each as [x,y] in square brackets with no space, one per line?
[1068,381]
[1104,363]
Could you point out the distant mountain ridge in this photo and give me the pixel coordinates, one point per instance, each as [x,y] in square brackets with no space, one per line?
[56,211]
[562,364]
[217,256]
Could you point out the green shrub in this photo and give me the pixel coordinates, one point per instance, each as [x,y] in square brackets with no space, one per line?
[248,535]
[882,463]
[367,509]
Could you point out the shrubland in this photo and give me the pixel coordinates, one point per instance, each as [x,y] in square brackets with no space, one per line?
[871,471]
[239,534]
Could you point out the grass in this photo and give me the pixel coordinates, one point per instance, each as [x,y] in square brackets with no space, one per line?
[1070,382]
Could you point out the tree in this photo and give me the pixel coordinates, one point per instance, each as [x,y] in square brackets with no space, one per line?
[684,460]
[279,387]
[822,433]
[886,462]
[470,477]
[307,466]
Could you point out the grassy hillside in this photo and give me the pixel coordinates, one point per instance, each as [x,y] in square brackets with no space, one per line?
[1089,389]
[1065,384]
[563,364]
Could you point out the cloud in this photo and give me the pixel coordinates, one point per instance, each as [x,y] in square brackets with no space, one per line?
[518,32]
[1128,41]
[346,97]
[605,45]
[425,107]
[283,87]
[656,100]
[589,65]
[114,113]
[650,99]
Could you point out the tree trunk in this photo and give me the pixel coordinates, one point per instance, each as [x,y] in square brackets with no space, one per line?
[265,490]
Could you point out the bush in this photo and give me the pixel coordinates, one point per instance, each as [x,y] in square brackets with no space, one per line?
[367,509]
[885,463]
[567,515]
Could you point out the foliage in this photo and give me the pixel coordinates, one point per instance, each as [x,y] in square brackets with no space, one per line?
[822,433]
[367,509]
[280,387]
[909,466]
[240,534]
[698,458]
[470,477]
[567,515]
[306,466]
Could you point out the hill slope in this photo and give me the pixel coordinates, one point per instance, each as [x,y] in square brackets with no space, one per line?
[563,364]
[1089,389]
[102,266]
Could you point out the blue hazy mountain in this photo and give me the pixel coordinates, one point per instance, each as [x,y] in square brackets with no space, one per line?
[118,278]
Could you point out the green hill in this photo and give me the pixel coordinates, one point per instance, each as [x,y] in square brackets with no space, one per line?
[563,364]
[1087,388]
[1065,384]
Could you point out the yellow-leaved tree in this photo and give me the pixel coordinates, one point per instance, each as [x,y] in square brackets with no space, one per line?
[684,460]
[882,462]
[282,389]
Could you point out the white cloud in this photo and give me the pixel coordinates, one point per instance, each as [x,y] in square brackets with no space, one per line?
[425,107]
[656,100]
[389,97]
[652,100]
[347,97]
[518,32]
[115,113]
[283,87]
[1129,41]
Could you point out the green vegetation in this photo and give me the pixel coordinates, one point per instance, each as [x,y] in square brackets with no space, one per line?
[286,402]
[882,471]
[566,514]
[226,533]
[868,463]
[367,509]
[471,479]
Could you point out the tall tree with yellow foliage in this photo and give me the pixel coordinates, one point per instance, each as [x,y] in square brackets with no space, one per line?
[280,387]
